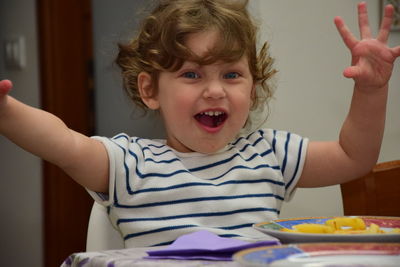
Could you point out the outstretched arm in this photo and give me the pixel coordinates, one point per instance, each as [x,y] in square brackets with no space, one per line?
[358,147]
[46,136]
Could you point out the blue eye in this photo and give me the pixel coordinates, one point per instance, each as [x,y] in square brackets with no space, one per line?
[190,75]
[231,75]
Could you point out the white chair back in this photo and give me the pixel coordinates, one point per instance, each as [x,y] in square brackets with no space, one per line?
[101,234]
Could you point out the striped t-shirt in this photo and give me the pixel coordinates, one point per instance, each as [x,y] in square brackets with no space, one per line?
[157,194]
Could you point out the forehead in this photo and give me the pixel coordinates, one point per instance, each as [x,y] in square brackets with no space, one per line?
[211,45]
[202,43]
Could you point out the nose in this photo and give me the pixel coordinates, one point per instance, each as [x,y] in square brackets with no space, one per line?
[214,89]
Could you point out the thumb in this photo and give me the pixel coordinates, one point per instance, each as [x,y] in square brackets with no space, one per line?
[396,51]
[351,72]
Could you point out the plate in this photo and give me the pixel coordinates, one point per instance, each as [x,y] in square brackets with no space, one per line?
[272,228]
[322,254]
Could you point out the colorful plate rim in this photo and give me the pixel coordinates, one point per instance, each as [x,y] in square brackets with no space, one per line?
[269,254]
[382,221]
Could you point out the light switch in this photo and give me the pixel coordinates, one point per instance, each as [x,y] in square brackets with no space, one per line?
[14,48]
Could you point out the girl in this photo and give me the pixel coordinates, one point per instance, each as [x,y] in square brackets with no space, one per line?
[196,63]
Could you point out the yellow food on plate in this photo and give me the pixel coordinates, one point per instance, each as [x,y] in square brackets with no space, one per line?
[314,228]
[340,225]
[374,229]
[353,222]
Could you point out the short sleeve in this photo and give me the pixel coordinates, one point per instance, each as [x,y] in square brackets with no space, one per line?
[290,152]
[117,148]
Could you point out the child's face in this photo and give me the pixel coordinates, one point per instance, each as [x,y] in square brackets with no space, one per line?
[204,107]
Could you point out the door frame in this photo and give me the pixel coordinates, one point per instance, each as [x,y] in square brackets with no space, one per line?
[66,78]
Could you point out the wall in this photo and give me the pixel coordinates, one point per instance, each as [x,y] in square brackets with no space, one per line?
[20,172]
[115,22]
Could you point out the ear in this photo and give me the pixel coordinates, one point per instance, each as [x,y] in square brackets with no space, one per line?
[146,90]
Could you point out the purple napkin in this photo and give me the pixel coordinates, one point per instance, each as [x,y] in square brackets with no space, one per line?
[205,245]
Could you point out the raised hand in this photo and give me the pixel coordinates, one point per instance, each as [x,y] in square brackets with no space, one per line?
[372,60]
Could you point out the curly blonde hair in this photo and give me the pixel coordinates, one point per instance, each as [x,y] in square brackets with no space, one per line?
[160,43]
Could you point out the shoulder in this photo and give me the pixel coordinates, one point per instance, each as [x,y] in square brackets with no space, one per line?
[125,142]
[271,136]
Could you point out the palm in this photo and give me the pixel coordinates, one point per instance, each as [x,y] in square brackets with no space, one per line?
[372,59]
[374,63]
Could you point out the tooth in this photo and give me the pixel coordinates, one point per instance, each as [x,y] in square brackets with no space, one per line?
[212,113]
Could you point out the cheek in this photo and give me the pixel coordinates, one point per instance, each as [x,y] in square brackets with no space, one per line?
[245,104]
[182,102]
[176,104]
[247,98]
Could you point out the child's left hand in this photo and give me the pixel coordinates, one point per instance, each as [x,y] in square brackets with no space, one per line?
[372,60]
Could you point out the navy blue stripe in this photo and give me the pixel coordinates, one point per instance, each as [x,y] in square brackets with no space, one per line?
[244,148]
[247,168]
[200,199]
[269,151]
[274,142]
[230,235]
[157,146]
[237,141]
[157,189]
[297,165]
[241,138]
[162,161]
[157,154]
[121,136]
[222,162]
[258,141]
[163,244]
[160,175]
[137,140]
[234,227]
[247,138]
[128,187]
[286,153]
[194,215]
[115,194]
[169,228]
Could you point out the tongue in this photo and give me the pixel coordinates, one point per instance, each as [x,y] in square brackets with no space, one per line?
[209,121]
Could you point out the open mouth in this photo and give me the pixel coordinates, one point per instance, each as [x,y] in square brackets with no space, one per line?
[211,119]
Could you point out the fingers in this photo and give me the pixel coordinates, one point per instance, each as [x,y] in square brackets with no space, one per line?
[383,34]
[5,86]
[348,38]
[363,22]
